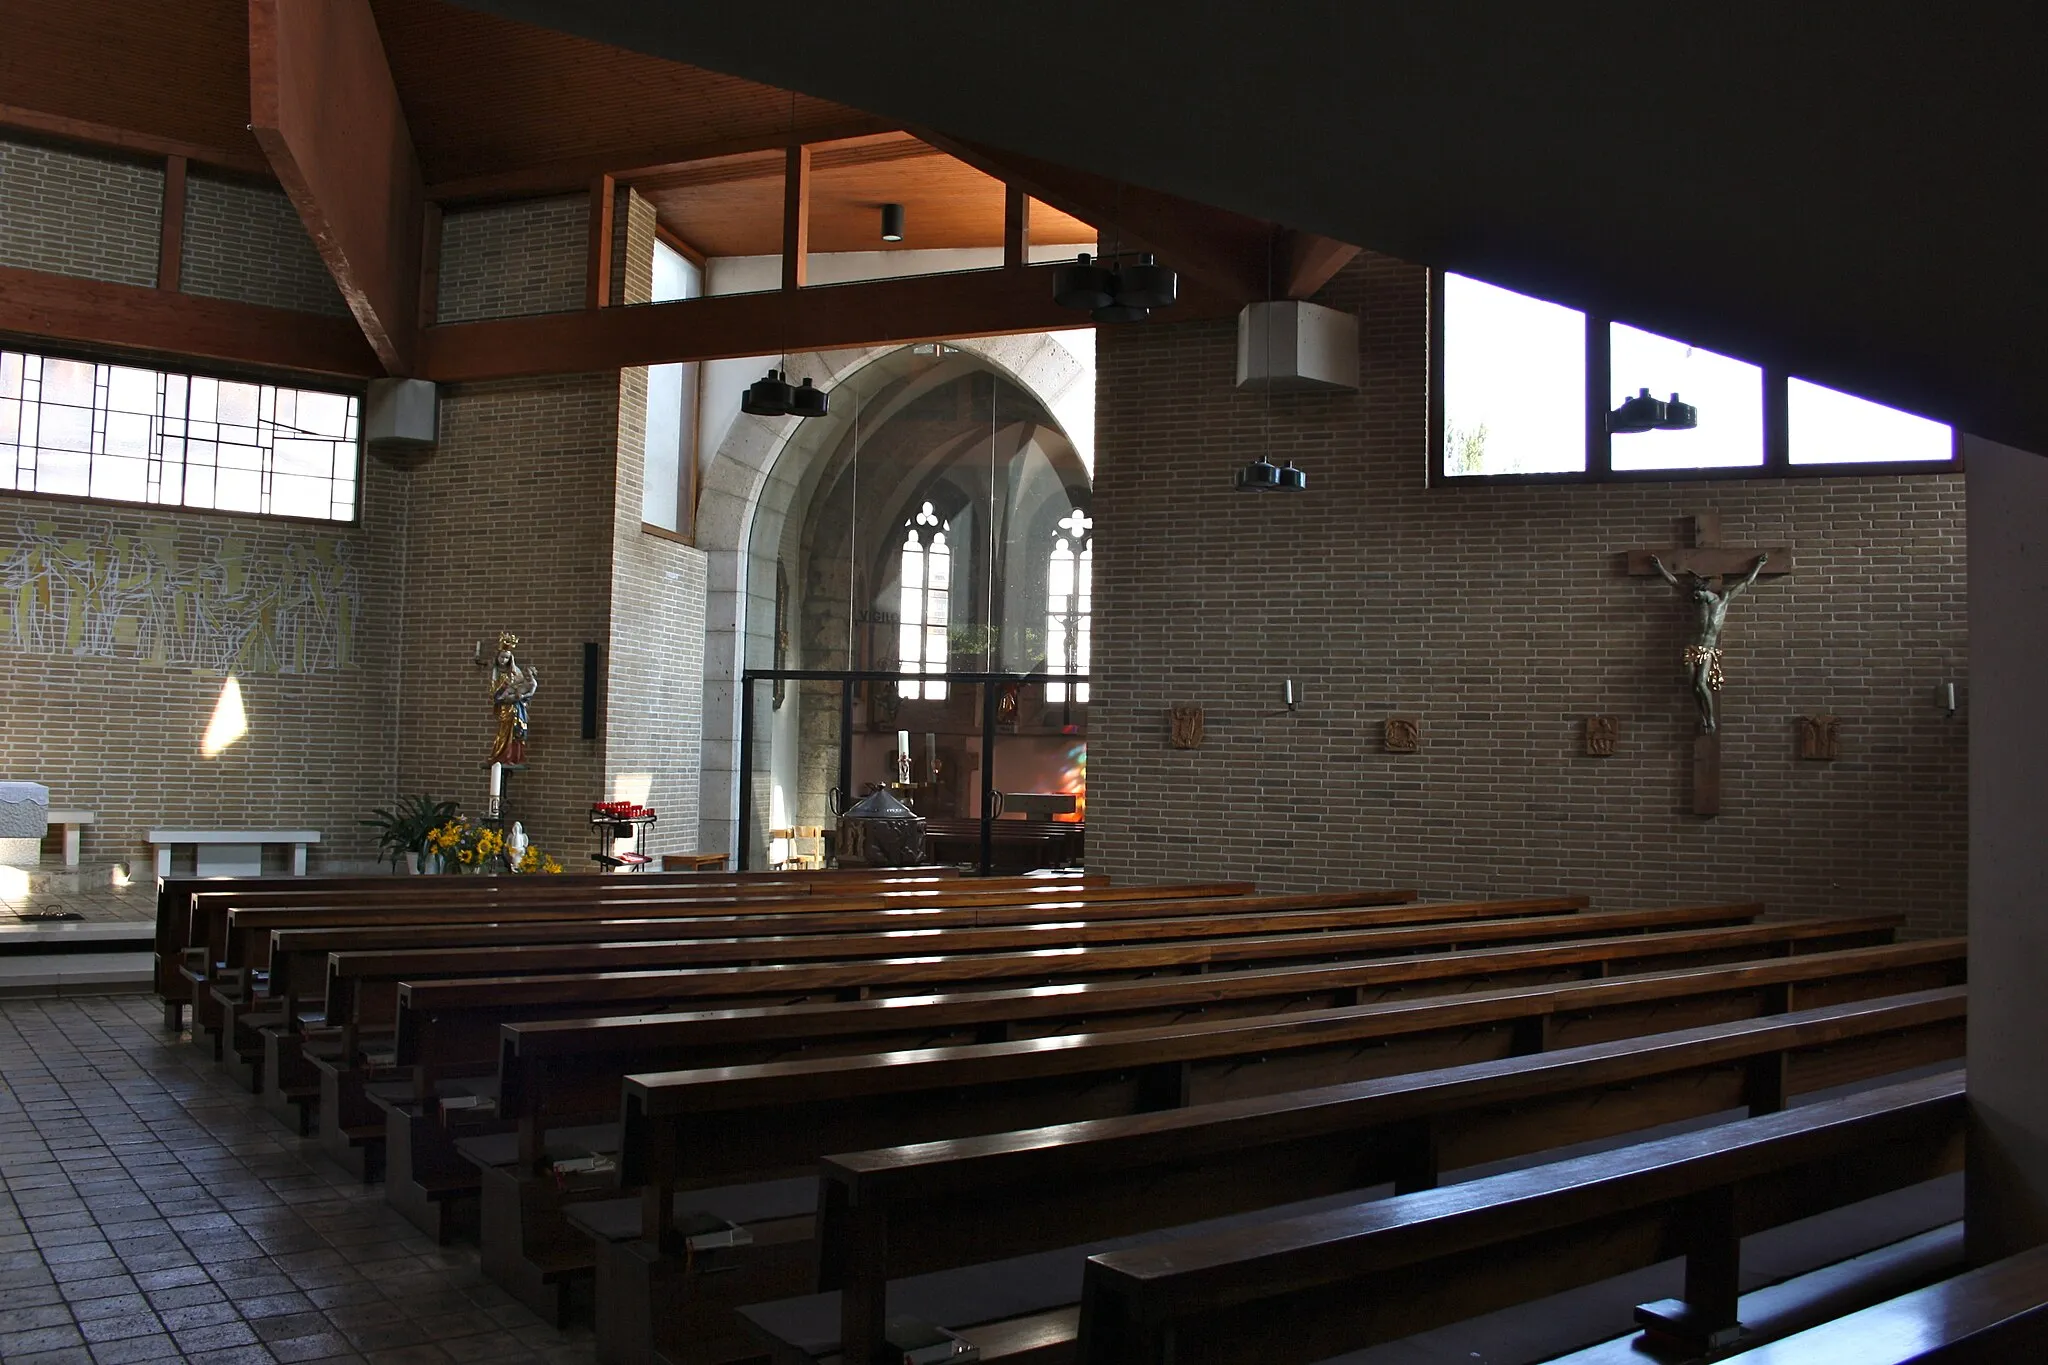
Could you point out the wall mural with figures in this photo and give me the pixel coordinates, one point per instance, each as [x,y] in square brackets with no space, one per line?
[182,598]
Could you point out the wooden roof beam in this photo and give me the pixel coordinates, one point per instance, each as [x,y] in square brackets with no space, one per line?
[83,312]
[325,110]
[822,317]
[35,123]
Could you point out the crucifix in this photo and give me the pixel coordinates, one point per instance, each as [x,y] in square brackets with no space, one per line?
[1712,576]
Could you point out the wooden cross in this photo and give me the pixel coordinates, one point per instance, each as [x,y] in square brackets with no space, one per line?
[1711,560]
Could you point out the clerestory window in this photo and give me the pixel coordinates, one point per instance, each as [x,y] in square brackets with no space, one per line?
[125,433]
[1523,389]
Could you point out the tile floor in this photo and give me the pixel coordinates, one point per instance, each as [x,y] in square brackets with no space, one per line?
[150,1211]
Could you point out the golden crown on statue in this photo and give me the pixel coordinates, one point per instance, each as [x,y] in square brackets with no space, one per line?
[508,641]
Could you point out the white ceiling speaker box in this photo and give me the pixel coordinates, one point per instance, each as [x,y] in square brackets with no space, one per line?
[1289,344]
[401,415]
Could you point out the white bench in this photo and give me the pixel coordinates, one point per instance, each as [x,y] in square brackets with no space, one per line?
[72,822]
[231,852]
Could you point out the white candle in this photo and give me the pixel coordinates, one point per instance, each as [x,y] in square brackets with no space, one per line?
[497,783]
[902,772]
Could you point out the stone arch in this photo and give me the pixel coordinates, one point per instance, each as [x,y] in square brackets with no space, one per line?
[759,468]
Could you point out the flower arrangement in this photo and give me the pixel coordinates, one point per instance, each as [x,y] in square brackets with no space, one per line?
[464,845]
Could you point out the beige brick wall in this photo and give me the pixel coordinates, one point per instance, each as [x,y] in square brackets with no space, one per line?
[109,619]
[1499,616]
[509,527]
[247,243]
[503,260]
[73,214]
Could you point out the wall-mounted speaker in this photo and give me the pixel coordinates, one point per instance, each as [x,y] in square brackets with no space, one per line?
[590,669]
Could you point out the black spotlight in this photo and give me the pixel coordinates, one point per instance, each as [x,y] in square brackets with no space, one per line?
[1260,476]
[1292,480]
[1083,284]
[1679,416]
[892,222]
[769,397]
[1640,413]
[808,401]
[1146,285]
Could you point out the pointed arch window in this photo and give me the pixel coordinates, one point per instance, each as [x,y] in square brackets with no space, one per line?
[926,610]
[1069,586]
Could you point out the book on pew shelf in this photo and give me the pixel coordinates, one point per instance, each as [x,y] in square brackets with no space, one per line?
[704,1231]
[923,1344]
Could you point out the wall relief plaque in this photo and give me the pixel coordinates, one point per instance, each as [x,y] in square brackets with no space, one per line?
[1818,736]
[1601,734]
[1184,727]
[1402,734]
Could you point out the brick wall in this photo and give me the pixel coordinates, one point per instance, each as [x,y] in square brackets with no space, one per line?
[1500,617]
[108,699]
[74,214]
[509,259]
[510,528]
[247,243]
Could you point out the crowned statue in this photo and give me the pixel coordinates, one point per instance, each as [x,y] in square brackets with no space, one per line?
[512,687]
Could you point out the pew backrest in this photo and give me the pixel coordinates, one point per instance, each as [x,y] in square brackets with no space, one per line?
[1356,1275]
[911,1210]
[559,1067]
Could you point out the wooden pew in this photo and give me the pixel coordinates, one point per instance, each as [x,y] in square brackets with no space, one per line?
[215,914]
[903,1211]
[362,987]
[1996,1314]
[558,1070]
[1306,1288]
[566,1072]
[359,984]
[175,901]
[286,951]
[471,1008]
[729,1126]
[252,987]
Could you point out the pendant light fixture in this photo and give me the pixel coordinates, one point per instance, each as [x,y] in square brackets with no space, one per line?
[892,222]
[773,395]
[1083,284]
[1262,475]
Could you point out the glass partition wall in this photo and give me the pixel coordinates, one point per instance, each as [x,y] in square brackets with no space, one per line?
[917,618]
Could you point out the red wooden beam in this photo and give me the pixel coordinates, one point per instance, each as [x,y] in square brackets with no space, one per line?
[822,317]
[796,218]
[170,244]
[325,111]
[14,118]
[1312,261]
[186,326]
[597,280]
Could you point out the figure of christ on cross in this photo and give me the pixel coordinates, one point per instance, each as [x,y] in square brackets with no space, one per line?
[1703,655]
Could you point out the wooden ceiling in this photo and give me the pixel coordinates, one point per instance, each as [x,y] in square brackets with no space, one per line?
[732,206]
[498,108]
[173,70]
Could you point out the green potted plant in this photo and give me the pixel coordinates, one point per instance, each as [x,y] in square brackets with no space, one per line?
[403,829]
